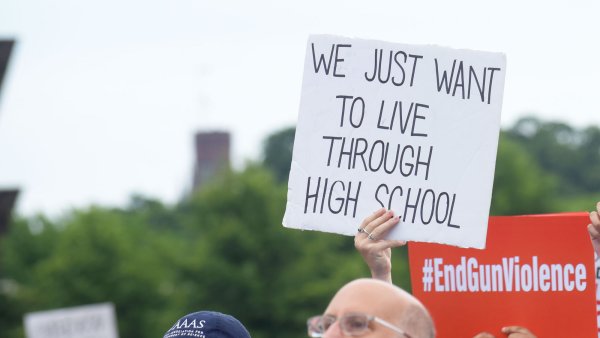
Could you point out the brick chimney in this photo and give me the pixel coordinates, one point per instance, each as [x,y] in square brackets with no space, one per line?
[212,156]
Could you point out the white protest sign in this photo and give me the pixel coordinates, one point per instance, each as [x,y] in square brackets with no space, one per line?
[411,128]
[90,321]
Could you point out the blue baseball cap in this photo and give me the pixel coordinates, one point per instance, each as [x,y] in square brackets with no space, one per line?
[207,324]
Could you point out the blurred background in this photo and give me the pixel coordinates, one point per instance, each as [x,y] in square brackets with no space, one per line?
[145,147]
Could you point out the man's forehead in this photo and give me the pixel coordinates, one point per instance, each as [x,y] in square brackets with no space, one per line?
[372,299]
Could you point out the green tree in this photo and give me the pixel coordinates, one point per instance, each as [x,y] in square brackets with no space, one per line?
[520,185]
[277,153]
[89,256]
[270,277]
[571,154]
[590,157]
[223,249]
[26,246]
[103,255]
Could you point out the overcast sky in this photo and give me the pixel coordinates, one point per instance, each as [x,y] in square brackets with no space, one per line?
[102,98]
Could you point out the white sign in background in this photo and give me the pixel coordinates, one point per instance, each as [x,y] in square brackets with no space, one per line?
[90,321]
[412,128]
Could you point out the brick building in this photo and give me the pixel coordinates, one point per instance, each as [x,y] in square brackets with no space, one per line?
[212,156]
[7,196]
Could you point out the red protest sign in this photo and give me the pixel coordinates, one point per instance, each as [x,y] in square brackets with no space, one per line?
[536,272]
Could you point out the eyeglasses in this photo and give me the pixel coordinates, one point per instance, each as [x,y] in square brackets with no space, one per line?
[352,324]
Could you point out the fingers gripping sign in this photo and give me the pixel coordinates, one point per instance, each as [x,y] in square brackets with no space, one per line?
[594,228]
[484,335]
[510,332]
[371,243]
[517,332]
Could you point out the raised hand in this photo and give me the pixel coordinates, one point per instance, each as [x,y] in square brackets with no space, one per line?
[376,251]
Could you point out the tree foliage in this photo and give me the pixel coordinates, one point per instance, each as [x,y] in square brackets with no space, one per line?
[570,154]
[278,153]
[520,185]
[224,248]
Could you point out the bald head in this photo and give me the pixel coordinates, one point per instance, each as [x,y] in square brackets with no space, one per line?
[385,301]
